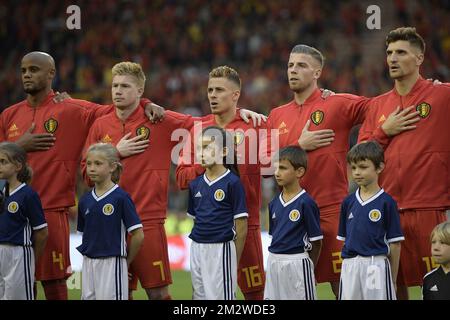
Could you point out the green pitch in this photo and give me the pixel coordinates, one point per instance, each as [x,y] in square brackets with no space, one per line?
[181,289]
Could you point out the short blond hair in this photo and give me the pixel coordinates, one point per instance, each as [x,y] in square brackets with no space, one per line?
[442,232]
[226,72]
[128,68]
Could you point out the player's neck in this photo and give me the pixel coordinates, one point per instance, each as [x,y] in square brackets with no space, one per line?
[123,114]
[405,85]
[290,191]
[301,96]
[13,183]
[226,117]
[102,187]
[366,192]
[36,99]
[213,172]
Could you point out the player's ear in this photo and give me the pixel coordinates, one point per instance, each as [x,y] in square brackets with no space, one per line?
[140,91]
[300,172]
[317,73]
[380,168]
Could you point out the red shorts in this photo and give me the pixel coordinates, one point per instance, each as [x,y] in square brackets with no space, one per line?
[151,265]
[251,277]
[55,260]
[415,254]
[328,267]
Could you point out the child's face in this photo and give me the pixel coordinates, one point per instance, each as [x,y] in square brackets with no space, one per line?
[364,172]
[98,168]
[8,169]
[209,152]
[286,174]
[440,251]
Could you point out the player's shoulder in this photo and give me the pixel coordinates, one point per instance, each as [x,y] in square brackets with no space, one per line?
[387,197]
[233,178]
[283,108]
[14,108]
[306,198]
[343,97]
[349,198]
[431,274]
[170,115]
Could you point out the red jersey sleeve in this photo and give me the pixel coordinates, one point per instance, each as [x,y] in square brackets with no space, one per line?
[356,107]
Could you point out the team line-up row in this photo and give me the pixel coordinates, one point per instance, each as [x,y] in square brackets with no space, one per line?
[56,134]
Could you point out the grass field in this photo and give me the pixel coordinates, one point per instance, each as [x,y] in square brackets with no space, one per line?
[181,289]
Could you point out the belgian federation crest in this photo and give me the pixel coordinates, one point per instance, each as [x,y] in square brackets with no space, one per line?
[374,215]
[108,209]
[317,117]
[143,131]
[294,215]
[424,109]
[238,137]
[51,125]
[13,207]
[219,195]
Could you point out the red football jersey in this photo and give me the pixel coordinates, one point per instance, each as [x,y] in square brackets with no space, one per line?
[145,176]
[253,153]
[54,170]
[326,174]
[417,172]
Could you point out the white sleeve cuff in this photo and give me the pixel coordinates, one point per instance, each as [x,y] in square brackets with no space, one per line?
[136,226]
[340,238]
[396,239]
[240,215]
[41,226]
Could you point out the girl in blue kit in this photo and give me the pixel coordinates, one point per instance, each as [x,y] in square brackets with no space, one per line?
[217,204]
[105,215]
[23,229]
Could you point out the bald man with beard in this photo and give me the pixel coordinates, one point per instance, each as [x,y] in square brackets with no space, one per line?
[53,133]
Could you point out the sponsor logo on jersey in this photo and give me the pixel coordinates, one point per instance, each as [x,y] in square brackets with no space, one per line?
[86,212]
[13,207]
[282,128]
[108,209]
[13,131]
[274,215]
[424,109]
[317,117]
[219,195]
[382,118]
[294,215]
[434,288]
[198,195]
[13,127]
[350,216]
[374,215]
[238,137]
[51,125]
[106,139]
[143,131]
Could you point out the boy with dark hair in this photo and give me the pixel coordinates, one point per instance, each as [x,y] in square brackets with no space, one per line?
[294,224]
[370,226]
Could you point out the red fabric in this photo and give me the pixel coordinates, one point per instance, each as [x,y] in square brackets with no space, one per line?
[251,276]
[151,265]
[328,267]
[145,176]
[417,172]
[415,252]
[54,262]
[326,176]
[55,169]
[55,289]
[249,169]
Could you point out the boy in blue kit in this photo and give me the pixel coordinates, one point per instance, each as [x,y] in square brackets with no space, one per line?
[105,215]
[294,225]
[217,204]
[23,229]
[369,225]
